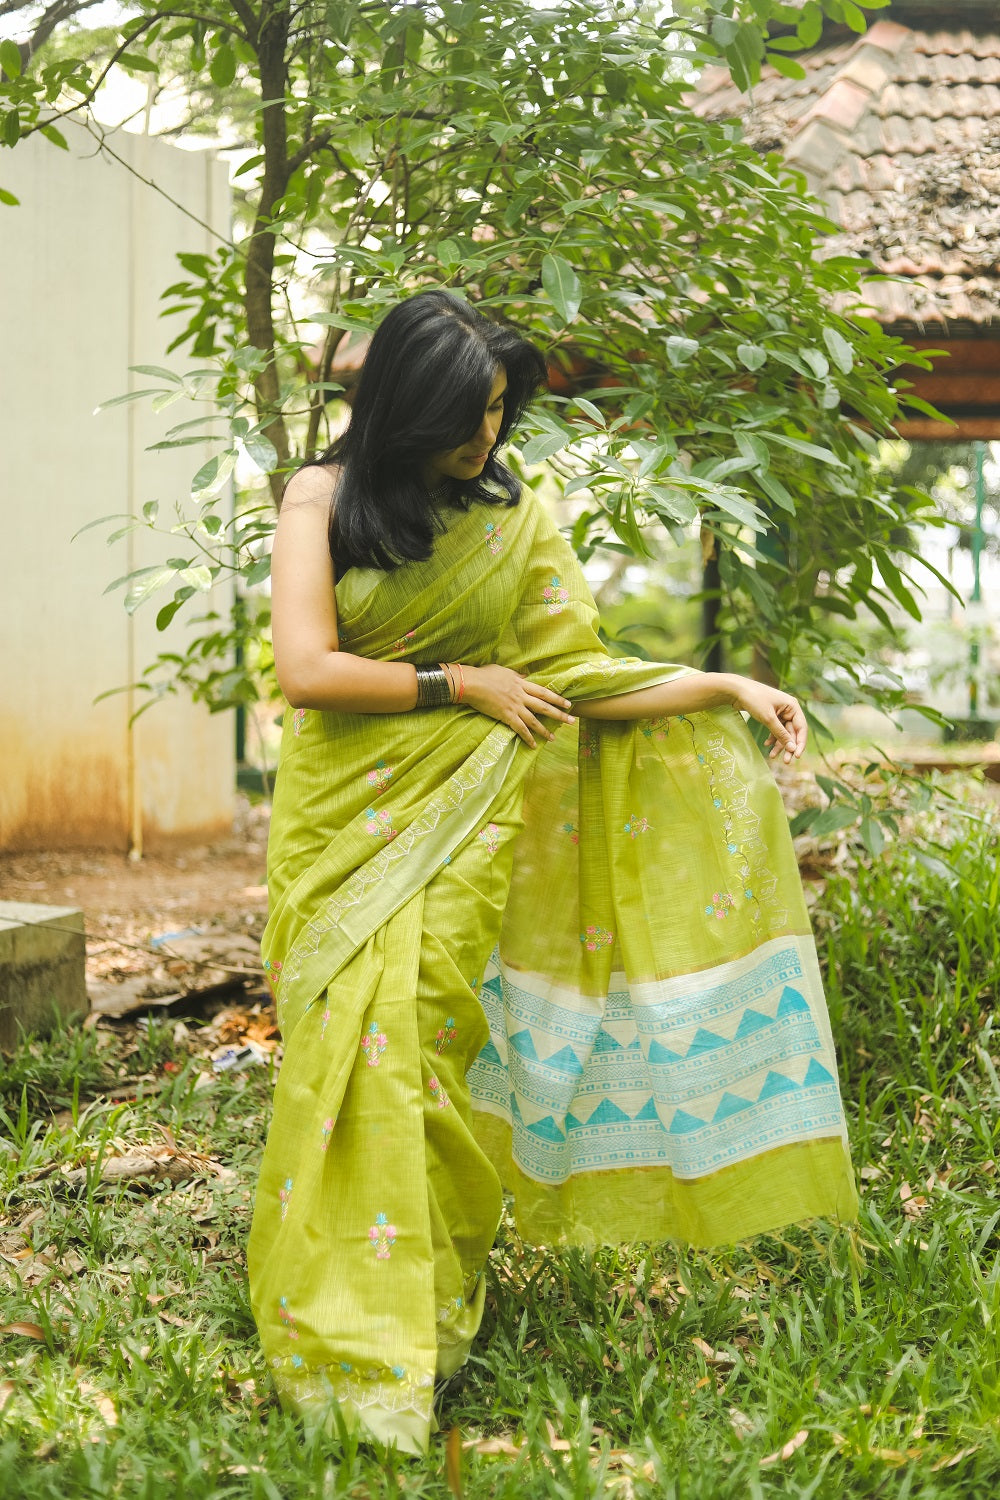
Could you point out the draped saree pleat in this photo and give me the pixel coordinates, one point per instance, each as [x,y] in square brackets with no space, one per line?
[584,971]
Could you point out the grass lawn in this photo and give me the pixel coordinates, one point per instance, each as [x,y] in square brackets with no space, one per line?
[822,1362]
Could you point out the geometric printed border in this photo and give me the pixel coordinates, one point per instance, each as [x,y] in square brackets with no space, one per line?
[692,1073]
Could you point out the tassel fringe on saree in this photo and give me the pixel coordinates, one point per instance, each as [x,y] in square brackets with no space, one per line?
[583,973]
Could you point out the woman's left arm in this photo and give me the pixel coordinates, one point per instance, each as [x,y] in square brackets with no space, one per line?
[779,712]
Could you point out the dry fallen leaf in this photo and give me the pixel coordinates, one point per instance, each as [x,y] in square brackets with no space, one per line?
[6,1391]
[792,1446]
[493,1446]
[954,1458]
[453,1462]
[712,1356]
[26,1330]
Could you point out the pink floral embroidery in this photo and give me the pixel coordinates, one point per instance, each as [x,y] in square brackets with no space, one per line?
[287,1318]
[326,1022]
[722,903]
[635,826]
[285,1195]
[490,836]
[573,832]
[379,776]
[373,1044]
[494,538]
[271,972]
[383,1236]
[656,729]
[588,742]
[438,1094]
[379,823]
[327,1132]
[402,644]
[555,596]
[445,1037]
[298,719]
[596,937]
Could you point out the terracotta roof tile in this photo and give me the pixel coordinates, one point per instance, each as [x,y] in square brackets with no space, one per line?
[900,131]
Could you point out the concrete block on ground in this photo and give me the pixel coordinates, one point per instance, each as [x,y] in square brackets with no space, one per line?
[42,968]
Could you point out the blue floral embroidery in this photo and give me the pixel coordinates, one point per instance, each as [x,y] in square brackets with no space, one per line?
[555,596]
[379,776]
[596,937]
[382,1235]
[287,1318]
[438,1094]
[445,1037]
[284,1195]
[494,538]
[635,826]
[720,906]
[373,1044]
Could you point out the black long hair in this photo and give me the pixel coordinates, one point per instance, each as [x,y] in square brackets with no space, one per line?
[423,388]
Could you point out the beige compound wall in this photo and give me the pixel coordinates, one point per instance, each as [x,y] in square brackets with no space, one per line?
[83,261]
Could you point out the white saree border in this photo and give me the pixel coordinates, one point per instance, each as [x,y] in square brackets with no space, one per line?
[692,1073]
[367,899]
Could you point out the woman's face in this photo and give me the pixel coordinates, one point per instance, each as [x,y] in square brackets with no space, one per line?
[467,462]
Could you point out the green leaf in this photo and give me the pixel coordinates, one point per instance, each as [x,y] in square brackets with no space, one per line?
[539,448]
[840,350]
[8,198]
[166,614]
[158,373]
[11,127]
[751,356]
[212,475]
[893,580]
[151,510]
[258,570]
[812,450]
[199,577]
[55,136]
[810,27]
[562,286]
[833,819]
[680,350]
[724,31]
[786,66]
[119,515]
[872,836]
[754,449]
[154,579]
[776,491]
[854,16]
[222,68]
[262,451]
[817,362]
[136,62]
[10,58]
[121,400]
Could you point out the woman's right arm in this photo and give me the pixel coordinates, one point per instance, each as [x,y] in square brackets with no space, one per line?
[312,670]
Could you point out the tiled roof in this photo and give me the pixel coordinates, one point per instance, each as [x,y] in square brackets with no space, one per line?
[899,131]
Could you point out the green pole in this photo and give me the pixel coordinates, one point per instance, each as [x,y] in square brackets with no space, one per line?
[977,552]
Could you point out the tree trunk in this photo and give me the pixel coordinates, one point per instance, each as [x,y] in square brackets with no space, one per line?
[270,43]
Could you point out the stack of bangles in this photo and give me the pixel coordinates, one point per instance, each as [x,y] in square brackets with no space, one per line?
[439,685]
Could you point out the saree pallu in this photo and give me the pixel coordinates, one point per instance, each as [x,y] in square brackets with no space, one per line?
[584,973]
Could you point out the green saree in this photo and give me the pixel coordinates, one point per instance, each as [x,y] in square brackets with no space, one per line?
[583,973]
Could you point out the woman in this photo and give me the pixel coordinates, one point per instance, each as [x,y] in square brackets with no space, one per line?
[505,945]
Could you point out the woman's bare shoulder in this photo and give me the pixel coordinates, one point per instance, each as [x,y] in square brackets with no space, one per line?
[313,486]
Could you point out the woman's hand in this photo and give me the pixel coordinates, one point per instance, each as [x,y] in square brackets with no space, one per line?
[779,713]
[506,696]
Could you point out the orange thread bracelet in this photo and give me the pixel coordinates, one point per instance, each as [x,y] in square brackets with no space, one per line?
[461,680]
